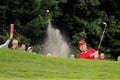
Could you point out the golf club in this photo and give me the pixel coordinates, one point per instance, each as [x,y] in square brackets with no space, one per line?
[96,56]
[102,35]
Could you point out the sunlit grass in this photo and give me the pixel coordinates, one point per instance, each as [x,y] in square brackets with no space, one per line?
[18,65]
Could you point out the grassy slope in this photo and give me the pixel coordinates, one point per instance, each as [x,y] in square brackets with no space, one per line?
[18,65]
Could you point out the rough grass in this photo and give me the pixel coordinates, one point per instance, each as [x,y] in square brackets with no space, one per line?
[18,65]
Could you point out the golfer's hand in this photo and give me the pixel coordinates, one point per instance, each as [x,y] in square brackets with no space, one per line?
[93,54]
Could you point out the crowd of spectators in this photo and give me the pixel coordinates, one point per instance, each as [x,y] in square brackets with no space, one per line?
[15,45]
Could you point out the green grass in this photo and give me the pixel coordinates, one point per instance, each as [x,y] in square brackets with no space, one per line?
[18,65]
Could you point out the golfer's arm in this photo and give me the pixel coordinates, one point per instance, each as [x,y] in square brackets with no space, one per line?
[93,54]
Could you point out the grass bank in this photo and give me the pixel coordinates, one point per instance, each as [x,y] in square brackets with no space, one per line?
[18,65]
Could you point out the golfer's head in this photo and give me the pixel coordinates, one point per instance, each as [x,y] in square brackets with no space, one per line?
[82,45]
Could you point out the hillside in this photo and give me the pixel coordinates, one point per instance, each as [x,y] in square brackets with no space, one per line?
[18,65]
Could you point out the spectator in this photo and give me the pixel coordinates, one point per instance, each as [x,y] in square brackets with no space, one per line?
[118,59]
[15,44]
[30,49]
[87,53]
[23,47]
[7,42]
[72,56]
[102,56]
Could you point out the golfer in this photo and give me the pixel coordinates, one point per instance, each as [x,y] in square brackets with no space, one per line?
[87,53]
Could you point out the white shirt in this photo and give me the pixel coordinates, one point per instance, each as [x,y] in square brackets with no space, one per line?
[5,44]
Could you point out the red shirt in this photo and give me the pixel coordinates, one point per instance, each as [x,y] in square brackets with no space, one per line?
[86,54]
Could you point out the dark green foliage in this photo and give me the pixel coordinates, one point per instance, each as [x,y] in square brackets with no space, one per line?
[19,12]
[88,16]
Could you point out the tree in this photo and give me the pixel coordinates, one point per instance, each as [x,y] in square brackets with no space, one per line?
[19,12]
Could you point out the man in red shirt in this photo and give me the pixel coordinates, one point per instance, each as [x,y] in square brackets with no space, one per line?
[87,53]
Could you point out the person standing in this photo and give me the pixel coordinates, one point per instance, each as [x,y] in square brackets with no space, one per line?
[30,49]
[72,55]
[118,59]
[15,44]
[87,53]
[102,56]
[23,47]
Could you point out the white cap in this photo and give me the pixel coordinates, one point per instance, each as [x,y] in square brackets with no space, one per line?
[30,48]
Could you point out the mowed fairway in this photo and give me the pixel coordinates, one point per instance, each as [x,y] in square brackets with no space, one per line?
[18,65]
